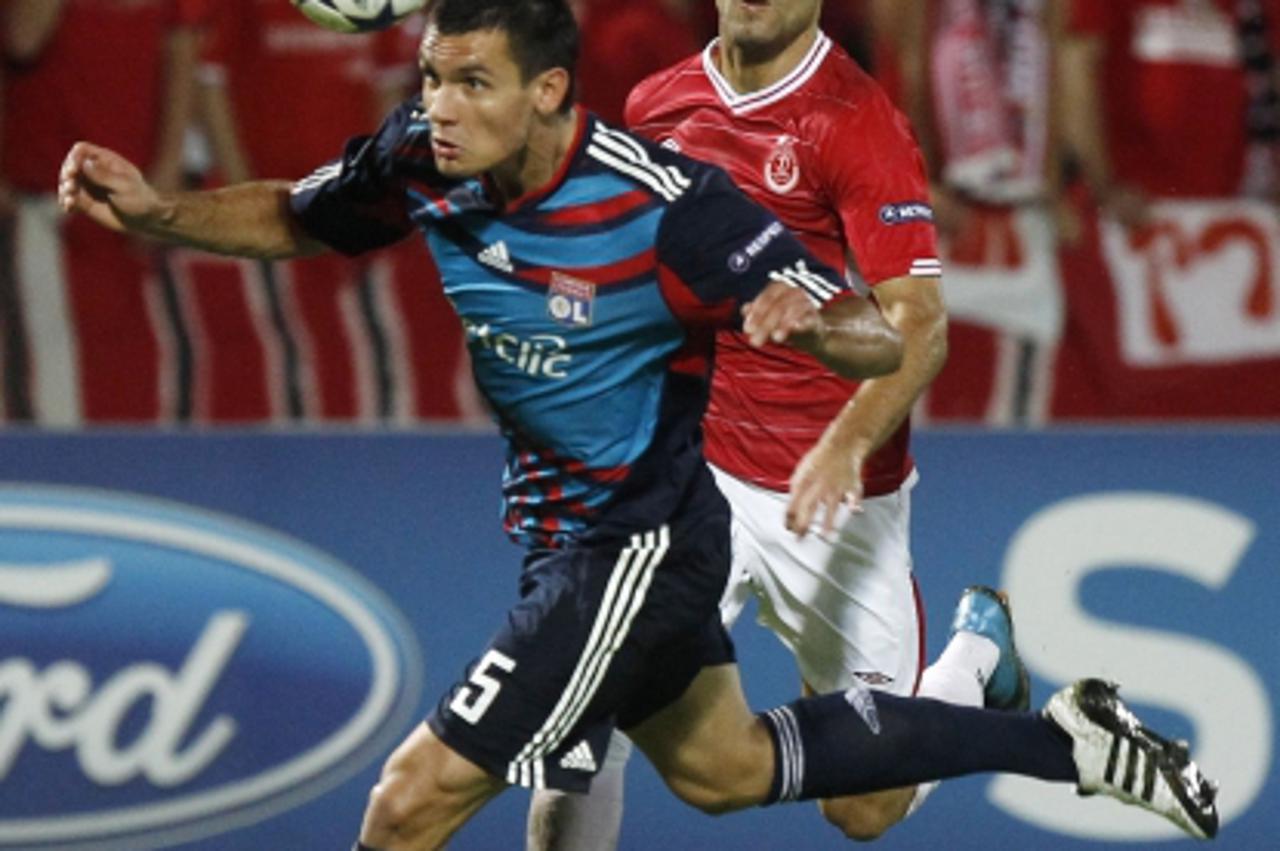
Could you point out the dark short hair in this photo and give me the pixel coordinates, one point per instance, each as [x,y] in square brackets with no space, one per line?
[543,34]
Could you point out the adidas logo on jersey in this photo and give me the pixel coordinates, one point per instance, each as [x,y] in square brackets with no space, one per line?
[497,256]
[579,759]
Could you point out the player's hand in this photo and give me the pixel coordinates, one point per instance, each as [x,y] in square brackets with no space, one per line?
[826,478]
[782,314]
[106,187]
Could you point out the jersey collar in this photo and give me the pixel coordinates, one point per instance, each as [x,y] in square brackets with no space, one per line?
[798,76]
[533,196]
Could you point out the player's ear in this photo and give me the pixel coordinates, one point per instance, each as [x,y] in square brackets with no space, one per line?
[550,88]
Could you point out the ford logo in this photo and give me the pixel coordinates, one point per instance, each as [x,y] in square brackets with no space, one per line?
[168,673]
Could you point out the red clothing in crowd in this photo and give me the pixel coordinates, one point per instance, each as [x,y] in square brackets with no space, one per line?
[103,75]
[81,87]
[350,339]
[1174,92]
[298,90]
[624,42]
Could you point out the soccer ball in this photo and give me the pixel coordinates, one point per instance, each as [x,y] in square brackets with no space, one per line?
[357,16]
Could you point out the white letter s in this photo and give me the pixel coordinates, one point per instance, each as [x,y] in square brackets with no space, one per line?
[1223,697]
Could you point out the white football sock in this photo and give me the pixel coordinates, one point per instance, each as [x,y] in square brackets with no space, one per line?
[958,676]
[961,673]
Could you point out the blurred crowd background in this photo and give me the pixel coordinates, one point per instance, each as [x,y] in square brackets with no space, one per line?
[1104,175]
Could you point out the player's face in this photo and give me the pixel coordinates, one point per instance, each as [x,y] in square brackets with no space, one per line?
[480,109]
[766,25]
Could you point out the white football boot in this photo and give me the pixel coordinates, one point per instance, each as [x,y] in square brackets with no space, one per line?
[1115,755]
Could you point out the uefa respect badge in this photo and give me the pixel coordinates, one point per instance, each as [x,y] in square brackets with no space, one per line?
[571,301]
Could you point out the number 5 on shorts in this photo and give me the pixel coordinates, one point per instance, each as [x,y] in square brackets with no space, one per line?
[470,704]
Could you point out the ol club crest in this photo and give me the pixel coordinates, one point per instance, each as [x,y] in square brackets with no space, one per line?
[570,300]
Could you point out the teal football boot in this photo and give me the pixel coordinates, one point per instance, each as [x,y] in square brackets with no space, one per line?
[985,611]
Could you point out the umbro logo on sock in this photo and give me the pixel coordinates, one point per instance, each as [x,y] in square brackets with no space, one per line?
[580,758]
[497,256]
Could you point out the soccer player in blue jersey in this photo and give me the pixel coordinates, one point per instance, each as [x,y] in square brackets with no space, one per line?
[590,269]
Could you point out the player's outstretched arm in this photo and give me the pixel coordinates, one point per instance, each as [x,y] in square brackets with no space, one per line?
[248,220]
[849,336]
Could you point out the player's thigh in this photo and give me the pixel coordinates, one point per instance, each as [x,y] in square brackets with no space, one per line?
[708,746]
[845,604]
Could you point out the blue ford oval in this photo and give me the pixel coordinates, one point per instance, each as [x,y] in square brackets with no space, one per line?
[170,667]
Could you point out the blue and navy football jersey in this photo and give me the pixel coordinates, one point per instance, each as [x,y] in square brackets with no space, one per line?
[589,306]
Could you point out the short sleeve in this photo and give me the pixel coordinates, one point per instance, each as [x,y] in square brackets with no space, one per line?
[356,203]
[717,250]
[875,176]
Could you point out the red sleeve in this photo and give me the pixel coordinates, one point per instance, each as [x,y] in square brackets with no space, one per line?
[1089,17]
[876,178]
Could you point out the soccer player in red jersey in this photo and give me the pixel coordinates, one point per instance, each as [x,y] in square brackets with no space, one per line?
[800,127]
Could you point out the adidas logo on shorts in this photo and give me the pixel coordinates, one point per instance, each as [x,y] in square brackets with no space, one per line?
[497,256]
[579,759]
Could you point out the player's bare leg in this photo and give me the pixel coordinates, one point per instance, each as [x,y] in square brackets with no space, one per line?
[426,792]
[708,747]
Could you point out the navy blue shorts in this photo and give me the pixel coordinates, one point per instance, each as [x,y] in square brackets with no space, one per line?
[604,635]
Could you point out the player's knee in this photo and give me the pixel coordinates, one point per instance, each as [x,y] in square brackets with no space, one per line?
[865,818]
[710,798]
[394,801]
[718,787]
[716,791]
[423,786]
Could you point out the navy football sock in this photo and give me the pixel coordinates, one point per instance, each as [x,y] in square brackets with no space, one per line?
[860,741]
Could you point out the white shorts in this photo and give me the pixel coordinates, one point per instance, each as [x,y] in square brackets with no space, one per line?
[845,604]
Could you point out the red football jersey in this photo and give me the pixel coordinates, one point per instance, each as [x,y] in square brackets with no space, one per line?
[1174,91]
[827,152]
